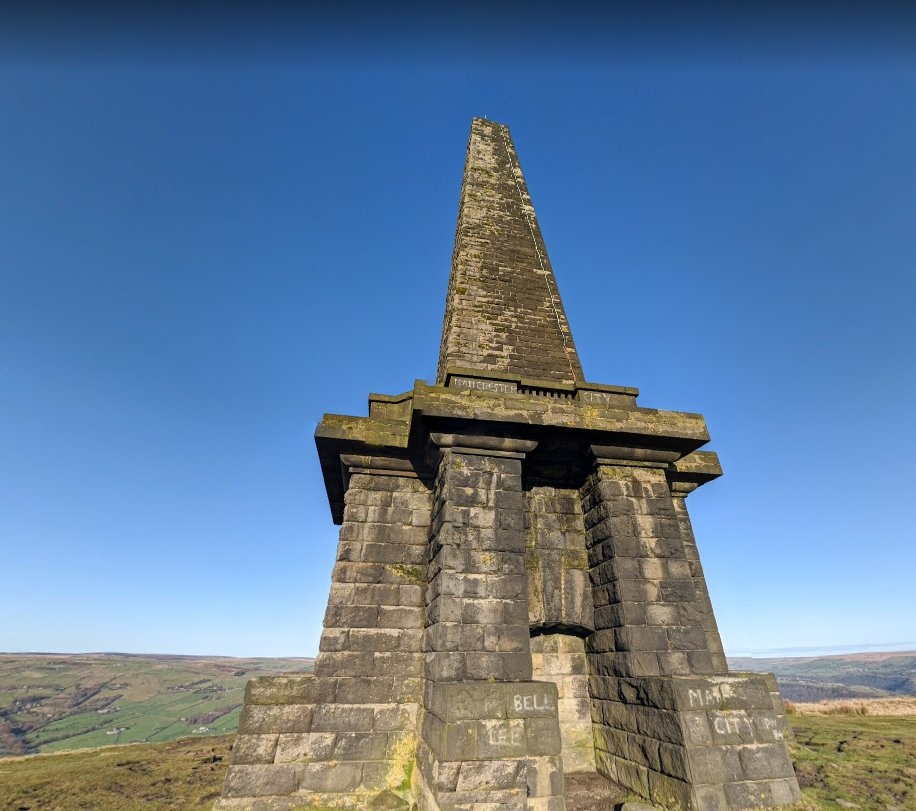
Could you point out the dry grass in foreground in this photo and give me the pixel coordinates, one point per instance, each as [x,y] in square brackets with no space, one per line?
[183,774]
[844,761]
[855,706]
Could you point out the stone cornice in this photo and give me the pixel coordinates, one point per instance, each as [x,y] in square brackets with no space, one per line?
[564,434]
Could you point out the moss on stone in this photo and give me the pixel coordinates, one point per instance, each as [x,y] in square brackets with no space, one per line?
[413,574]
[574,559]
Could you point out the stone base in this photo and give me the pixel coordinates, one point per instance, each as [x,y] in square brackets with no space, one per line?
[299,746]
[493,746]
[709,743]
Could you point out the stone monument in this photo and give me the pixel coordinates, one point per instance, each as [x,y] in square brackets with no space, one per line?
[517,594]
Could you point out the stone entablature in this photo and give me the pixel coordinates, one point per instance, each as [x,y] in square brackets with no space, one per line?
[398,427]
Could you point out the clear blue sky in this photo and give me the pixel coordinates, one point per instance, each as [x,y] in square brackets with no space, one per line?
[215,228]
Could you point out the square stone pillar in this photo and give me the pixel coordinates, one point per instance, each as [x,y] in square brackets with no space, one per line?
[648,620]
[669,724]
[490,735]
[477,599]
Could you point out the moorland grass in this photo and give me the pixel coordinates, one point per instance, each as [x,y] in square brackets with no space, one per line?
[866,760]
[183,774]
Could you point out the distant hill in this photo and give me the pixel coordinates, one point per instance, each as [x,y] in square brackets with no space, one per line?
[51,702]
[853,675]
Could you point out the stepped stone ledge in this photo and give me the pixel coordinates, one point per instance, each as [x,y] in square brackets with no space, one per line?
[518,594]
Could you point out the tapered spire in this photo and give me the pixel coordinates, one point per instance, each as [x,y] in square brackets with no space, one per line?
[503,312]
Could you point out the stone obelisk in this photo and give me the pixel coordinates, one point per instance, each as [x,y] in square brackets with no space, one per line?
[518,594]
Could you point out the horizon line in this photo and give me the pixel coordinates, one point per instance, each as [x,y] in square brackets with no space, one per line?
[752,653]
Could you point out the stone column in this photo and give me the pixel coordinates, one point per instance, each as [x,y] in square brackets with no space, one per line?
[477,603]
[647,618]
[490,735]
[668,723]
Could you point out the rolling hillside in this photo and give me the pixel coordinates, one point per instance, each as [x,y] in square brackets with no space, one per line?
[854,675]
[53,702]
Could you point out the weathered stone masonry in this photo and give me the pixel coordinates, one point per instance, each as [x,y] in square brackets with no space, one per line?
[518,594]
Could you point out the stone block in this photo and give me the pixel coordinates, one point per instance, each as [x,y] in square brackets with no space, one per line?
[259,719]
[506,639]
[489,775]
[302,747]
[411,640]
[410,595]
[701,661]
[341,718]
[711,798]
[402,746]
[458,741]
[683,638]
[400,664]
[748,794]
[334,639]
[261,781]
[344,663]
[360,746]
[299,689]
[254,749]
[731,726]
[364,690]
[397,617]
[661,725]
[407,689]
[645,638]
[707,764]
[632,776]
[770,727]
[485,665]
[673,761]
[542,736]
[638,663]
[668,792]
[643,750]
[676,663]
[502,739]
[765,761]
[696,728]
[785,791]
[332,777]
[351,616]
[445,666]
[447,776]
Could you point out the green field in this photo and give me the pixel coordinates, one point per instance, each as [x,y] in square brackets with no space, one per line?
[866,760]
[54,702]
